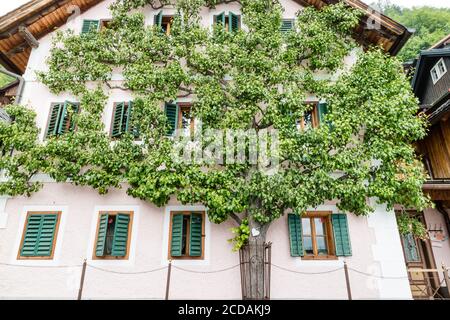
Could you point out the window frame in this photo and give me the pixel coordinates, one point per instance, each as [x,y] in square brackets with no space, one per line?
[188,243]
[103,24]
[55,236]
[329,237]
[130,225]
[127,105]
[52,105]
[181,106]
[169,24]
[436,73]
[226,24]
[315,117]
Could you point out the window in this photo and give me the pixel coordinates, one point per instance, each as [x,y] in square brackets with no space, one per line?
[231,22]
[113,235]
[319,235]
[39,235]
[60,118]
[287,25]
[179,117]
[186,235]
[185,119]
[90,25]
[410,247]
[104,24]
[313,117]
[121,120]
[438,71]
[164,22]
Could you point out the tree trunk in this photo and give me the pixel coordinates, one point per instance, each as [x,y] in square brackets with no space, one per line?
[253,273]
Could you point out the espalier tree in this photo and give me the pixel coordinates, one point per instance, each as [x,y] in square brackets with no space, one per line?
[254,78]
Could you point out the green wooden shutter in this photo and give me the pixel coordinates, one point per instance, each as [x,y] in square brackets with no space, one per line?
[177,235]
[39,235]
[62,120]
[295,235]
[341,235]
[131,128]
[195,236]
[220,18]
[47,234]
[120,240]
[171,110]
[233,22]
[118,116]
[286,25]
[55,116]
[101,235]
[66,122]
[128,117]
[157,21]
[322,111]
[31,237]
[88,25]
[75,109]
[410,248]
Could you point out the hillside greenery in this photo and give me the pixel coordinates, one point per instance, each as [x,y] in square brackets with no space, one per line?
[430,25]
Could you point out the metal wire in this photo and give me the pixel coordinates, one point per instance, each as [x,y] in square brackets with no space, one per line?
[300,272]
[119,272]
[215,271]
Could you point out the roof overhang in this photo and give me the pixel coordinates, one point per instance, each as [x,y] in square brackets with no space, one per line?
[41,17]
[38,17]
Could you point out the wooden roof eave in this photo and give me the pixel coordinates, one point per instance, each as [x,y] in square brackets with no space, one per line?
[34,15]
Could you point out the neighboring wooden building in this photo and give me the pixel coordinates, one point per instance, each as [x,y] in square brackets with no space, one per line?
[431,84]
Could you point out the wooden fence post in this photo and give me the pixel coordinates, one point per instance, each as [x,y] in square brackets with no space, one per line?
[83,273]
[169,269]
[347,281]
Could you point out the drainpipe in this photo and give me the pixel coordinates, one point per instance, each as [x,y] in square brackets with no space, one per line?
[21,84]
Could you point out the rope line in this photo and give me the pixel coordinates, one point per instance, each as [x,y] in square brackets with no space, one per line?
[203,272]
[300,272]
[215,271]
[37,266]
[375,276]
[119,272]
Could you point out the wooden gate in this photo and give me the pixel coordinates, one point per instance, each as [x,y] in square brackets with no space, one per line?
[245,260]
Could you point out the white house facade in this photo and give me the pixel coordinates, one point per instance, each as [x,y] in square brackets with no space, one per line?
[128,243]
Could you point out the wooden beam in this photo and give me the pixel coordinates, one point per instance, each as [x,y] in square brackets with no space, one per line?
[28,37]
[8,64]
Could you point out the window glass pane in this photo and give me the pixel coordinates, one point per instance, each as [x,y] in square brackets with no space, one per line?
[308,120]
[441,67]
[434,74]
[110,234]
[320,225]
[185,118]
[410,247]
[321,245]
[307,245]
[306,226]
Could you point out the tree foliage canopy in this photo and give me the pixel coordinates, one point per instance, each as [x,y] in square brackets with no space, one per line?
[365,150]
